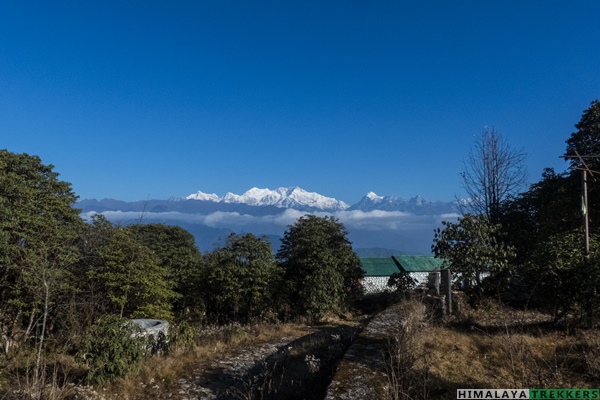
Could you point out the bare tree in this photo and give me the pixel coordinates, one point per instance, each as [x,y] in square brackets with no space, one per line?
[492,173]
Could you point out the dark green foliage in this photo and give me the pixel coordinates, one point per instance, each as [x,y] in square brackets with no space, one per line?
[561,279]
[321,270]
[91,300]
[470,247]
[127,276]
[550,207]
[38,231]
[544,225]
[586,141]
[402,282]
[240,280]
[177,252]
[112,347]
[182,336]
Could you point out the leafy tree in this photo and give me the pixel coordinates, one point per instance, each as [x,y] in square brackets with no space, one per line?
[561,279]
[544,225]
[178,253]
[240,280]
[586,141]
[321,269]
[38,231]
[129,276]
[470,247]
[91,300]
[548,208]
[492,173]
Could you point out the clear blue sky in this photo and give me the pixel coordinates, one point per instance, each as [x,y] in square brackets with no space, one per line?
[137,99]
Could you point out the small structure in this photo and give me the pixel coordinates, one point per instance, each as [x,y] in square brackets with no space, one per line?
[156,332]
[419,267]
[377,273]
[378,270]
[154,327]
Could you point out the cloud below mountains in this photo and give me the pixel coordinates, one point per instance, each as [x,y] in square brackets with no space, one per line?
[376,221]
[398,230]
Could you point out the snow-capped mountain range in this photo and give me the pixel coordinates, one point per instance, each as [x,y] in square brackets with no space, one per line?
[375,221]
[292,197]
[300,199]
[267,201]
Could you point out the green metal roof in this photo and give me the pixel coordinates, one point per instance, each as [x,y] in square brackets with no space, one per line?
[390,265]
[379,266]
[419,263]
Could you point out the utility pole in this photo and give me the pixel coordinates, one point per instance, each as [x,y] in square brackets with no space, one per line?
[585,212]
[584,198]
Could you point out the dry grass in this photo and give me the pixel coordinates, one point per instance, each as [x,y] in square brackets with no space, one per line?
[493,347]
[504,348]
[513,360]
[406,377]
[161,374]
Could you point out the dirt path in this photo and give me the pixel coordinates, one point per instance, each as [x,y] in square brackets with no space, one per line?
[299,368]
[291,367]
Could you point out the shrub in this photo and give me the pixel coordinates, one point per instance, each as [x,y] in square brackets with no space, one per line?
[112,347]
[402,281]
[183,336]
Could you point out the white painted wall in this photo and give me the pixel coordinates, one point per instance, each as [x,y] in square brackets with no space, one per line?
[376,284]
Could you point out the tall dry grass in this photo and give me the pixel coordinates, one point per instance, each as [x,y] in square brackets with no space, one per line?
[407,376]
[496,347]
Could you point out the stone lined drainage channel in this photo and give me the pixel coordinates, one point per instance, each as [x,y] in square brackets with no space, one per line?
[300,369]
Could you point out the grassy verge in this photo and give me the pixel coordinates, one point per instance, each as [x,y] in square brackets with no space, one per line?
[494,347]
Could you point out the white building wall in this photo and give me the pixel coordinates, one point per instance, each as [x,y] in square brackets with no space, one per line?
[376,284]
[422,278]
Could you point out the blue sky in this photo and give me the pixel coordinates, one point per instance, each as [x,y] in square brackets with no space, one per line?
[155,99]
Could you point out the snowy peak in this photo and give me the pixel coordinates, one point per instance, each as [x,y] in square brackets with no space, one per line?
[292,197]
[416,205]
[372,201]
[203,196]
[418,200]
[296,196]
[373,197]
[299,199]
[255,197]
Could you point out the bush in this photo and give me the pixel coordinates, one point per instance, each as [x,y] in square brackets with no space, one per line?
[183,336]
[402,282]
[111,348]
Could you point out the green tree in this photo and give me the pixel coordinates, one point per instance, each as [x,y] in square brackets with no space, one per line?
[549,207]
[321,269]
[470,248]
[176,248]
[240,280]
[544,224]
[586,141]
[563,281]
[129,277]
[38,232]
[91,300]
